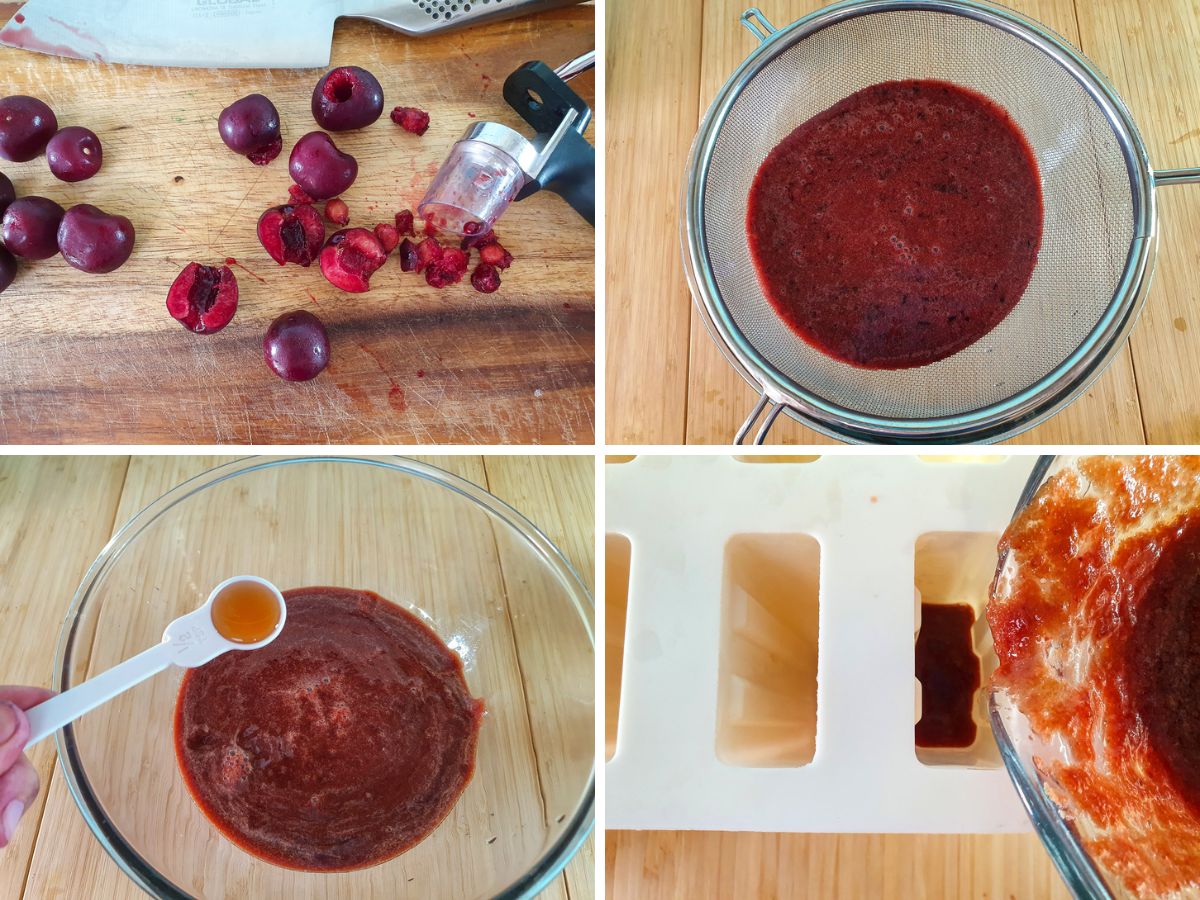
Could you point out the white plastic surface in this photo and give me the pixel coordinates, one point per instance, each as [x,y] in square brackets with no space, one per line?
[866,513]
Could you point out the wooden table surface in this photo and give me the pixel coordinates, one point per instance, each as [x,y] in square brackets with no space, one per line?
[97,359]
[667,382]
[56,513]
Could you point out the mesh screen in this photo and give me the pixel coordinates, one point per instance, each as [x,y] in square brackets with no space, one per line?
[1087,194]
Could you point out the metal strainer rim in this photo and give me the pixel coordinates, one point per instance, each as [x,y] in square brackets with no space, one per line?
[988,423]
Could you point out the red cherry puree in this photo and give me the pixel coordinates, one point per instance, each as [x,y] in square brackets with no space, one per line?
[898,226]
[339,745]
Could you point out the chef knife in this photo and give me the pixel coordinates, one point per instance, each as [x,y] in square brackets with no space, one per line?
[242,34]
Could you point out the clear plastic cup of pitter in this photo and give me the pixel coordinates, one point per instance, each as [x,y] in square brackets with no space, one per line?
[472,190]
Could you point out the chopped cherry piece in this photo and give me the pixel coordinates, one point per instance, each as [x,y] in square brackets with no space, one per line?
[495,255]
[447,269]
[411,119]
[478,240]
[485,279]
[337,212]
[299,195]
[409,261]
[388,236]
[428,251]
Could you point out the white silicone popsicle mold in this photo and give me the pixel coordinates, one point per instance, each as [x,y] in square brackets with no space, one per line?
[746,581]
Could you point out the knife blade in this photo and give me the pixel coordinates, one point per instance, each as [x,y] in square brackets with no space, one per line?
[221,33]
[228,33]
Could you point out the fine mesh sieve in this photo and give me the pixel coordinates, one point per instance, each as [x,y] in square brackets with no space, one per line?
[1098,236]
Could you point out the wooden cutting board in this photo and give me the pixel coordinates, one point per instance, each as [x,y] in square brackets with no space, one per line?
[97,359]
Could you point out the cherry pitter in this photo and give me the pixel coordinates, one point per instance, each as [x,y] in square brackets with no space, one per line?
[492,165]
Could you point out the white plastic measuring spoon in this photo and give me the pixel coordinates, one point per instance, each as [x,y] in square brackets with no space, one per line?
[189,641]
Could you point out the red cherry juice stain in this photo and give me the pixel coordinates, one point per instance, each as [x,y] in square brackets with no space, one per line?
[395,392]
[19,19]
[357,396]
[313,298]
[420,373]
[230,261]
[471,114]
[566,306]
[396,398]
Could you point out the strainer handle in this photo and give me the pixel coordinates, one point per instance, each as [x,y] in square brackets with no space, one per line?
[1167,177]
[757,24]
[761,435]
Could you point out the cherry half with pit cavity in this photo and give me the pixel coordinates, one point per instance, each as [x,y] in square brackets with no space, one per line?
[291,234]
[347,98]
[250,127]
[26,126]
[94,241]
[320,168]
[203,299]
[296,346]
[29,227]
[350,258]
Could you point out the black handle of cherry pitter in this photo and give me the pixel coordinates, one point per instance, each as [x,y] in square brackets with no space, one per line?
[543,100]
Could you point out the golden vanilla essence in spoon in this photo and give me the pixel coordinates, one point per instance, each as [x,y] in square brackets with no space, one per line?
[1095,613]
[245,612]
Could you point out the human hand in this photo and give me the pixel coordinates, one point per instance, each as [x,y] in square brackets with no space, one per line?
[18,779]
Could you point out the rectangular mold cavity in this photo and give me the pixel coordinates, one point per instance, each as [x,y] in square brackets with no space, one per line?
[957,567]
[767,673]
[775,458]
[617,553]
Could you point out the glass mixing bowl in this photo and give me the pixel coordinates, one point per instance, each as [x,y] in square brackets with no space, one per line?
[491,585]
[1083,875]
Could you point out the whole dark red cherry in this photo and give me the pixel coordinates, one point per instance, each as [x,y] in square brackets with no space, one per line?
[7,193]
[347,98]
[296,346]
[29,227]
[250,127]
[94,241]
[320,168]
[8,269]
[74,154]
[26,126]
